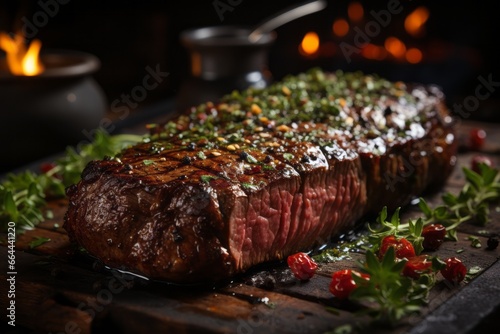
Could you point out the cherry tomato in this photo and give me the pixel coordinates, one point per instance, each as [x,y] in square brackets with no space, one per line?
[433,236]
[417,266]
[480,159]
[477,138]
[302,266]
[402,247]
[343,284]
[454,271]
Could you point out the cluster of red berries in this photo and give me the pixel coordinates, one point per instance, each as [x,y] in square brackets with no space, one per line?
[303,267]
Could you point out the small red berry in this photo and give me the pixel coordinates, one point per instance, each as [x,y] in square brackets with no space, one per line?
[433,236]
[477,138]
[47,167]
[417,266]
[343,284]
[402,247]
[480,159]
[492,243]
[454,271]
[302,266]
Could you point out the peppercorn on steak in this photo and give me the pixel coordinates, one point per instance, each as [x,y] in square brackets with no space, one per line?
[260,175]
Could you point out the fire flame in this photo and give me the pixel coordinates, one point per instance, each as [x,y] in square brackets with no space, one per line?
[414,55]
[21,60]
[340,27]
[414,22]
[395,47]
[310,43]
[371,51]
[355,11]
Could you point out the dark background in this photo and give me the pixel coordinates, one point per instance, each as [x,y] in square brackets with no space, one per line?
[460,41]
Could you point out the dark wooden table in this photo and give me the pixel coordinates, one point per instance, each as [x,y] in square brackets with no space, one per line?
[59,289]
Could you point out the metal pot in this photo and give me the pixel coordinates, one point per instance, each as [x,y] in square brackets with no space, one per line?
[223,59]
[40,115]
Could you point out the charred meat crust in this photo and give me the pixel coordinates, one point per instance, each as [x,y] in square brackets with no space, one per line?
[185,206]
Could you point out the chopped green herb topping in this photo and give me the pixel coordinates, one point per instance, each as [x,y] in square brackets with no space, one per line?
[268,167]
[251,159]
[249,186]
[249,118]
[207,178]
[49,214]
[474,241]
[38,242]
[474,270]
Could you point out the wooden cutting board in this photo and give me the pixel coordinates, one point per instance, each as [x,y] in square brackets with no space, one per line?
[59,289]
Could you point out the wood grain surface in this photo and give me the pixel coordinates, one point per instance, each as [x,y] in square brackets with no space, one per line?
[59,289]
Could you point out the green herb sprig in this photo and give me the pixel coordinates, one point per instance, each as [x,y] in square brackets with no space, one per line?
[22,197]
[71,165]
[389,295]
[470,205]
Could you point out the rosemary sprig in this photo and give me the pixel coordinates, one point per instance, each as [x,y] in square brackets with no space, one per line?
[388,295]
[470,205]
[71,165]
[23,196]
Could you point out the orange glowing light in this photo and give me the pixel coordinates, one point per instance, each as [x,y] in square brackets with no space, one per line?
[395,47]
[415,21]
[21,60]
[371,51]
[355,11]
[310,43]
[414,56]
[340,27]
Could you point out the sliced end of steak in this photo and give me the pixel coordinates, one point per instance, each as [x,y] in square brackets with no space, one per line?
[262,175]
[314,199]
[152,228]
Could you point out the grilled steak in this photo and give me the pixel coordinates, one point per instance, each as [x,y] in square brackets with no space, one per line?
[261,175]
